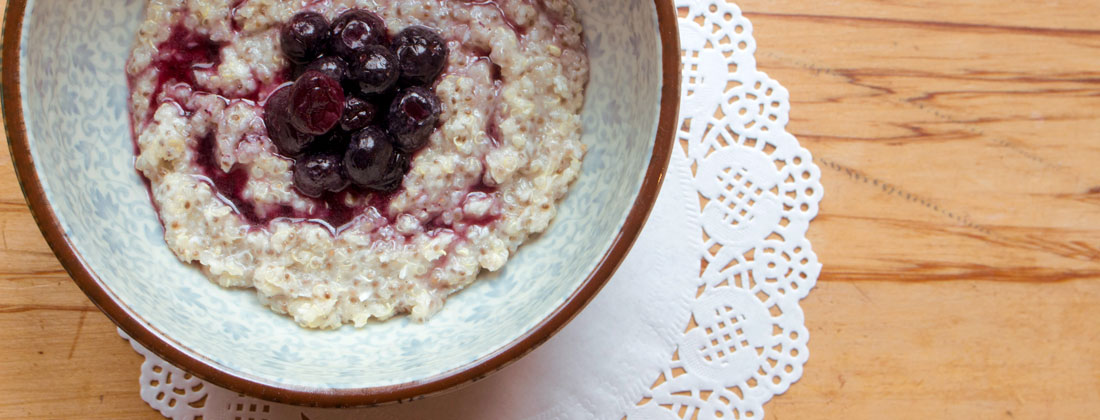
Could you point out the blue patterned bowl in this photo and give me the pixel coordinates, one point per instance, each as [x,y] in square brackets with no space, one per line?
[64,103]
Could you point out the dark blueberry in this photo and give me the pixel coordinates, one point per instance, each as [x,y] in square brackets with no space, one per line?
[287,139]
[375,69]
[316,103]
[358,114]
[355,30]
[304,37]
[332,66]
[370,158]
[412,117]
[421,53]
[335,141]
[315,174]
[392,180]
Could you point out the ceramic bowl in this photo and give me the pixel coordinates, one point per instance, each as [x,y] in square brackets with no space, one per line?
[64,103]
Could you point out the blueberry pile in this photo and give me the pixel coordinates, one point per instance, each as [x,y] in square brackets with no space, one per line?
[361,105]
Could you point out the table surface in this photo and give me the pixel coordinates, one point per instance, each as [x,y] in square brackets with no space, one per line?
[960,231]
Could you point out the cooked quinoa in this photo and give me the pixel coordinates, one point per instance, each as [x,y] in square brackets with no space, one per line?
[517,67]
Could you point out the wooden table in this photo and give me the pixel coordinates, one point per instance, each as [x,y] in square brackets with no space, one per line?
[960,232]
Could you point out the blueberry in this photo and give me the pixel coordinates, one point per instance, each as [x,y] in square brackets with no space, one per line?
[335,141]
[412,117]
[316,103]
[332,66]
[316,174]
[304,37]
[354,30]
[396,174]
[371,159]
[358,114]
[375,69]
[421,54]
[286,138]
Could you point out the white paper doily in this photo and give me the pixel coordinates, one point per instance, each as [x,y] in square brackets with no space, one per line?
[724,254]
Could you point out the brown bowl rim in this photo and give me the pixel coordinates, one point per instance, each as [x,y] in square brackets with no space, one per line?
[87,280]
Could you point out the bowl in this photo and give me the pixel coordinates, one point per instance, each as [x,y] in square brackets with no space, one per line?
[64,105]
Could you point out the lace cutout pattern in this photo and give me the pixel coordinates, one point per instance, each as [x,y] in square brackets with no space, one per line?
[758,190]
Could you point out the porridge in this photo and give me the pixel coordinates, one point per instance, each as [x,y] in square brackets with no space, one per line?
[356,159]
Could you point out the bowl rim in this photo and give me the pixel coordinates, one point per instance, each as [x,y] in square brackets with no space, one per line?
[192,362]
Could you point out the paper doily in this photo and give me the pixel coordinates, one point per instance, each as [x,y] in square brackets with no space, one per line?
[745,341]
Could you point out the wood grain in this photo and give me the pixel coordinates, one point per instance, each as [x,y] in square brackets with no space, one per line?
[960,232]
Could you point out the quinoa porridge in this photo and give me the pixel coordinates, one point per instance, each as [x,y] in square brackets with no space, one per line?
[506,146]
